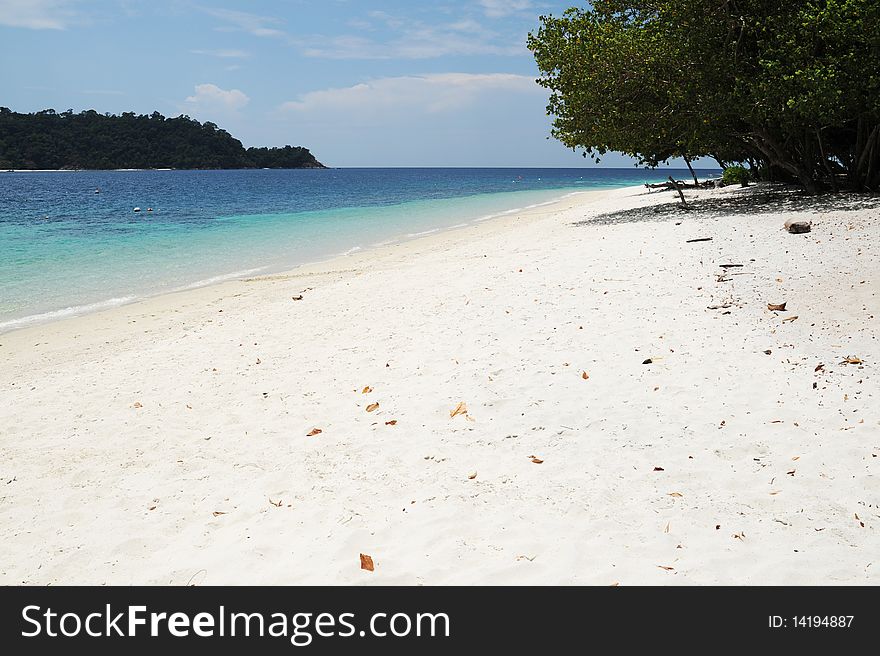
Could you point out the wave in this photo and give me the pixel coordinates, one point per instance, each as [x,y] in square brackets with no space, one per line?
[71,311]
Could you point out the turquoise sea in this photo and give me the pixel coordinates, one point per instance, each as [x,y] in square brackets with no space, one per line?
[71,242]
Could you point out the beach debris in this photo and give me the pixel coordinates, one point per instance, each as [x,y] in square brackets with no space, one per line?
[666,567]
[373,407]
[861,523]
[277,504]
[852,359]
[217,513]
[259,361]
[677,495]
[692,241]
[460,409]
[776,307]
[797,227]
[723,306]
[366,390]
[659,469]
[731,266]
[391,422]
[528,558]
[472,475]
[313,432]
[648,361]
[535,459]
[739,536]
[791,318]
[298,297]
[138,404]
[585,375]
[819,367]
[768,352]
[367,563]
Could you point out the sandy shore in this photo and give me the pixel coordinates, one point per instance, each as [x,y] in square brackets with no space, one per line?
[166,442]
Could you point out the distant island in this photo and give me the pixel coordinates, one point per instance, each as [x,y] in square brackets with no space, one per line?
[89,140]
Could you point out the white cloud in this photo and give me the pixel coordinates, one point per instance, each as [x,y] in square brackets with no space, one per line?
[36,14]
[501,8]
[223,53]
[434,93]
[241,21]
[414,40]
[209,98]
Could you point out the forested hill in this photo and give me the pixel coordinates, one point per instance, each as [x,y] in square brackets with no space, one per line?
[89,140]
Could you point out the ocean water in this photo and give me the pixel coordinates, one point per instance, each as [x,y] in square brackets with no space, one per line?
[65,249]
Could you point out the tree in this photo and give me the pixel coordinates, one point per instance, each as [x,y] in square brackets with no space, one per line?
[793,87]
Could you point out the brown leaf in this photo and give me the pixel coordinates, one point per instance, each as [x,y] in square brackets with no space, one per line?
[367,563]
[151,508]
[819,367]
[372,407]
[313,432]
[792,318]
[776,307]
[852,359]
[585,376]
[666,567]
[298,297]
[392,422]
[791,472]
[460,409]
[217,513]
[138,404]
[366,390]
[677,495]
[659,469]
[666,530]
[277,504]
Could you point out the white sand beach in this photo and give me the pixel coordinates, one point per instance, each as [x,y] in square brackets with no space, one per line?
[167,441]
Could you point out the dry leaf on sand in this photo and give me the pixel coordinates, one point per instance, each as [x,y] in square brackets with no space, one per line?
[850,359]
[585,375]
[776,307]
[372,407]
[367,563]
[392,422]
[792,318]
[277,504]
[313,432]
[535,459]
[217,513]
[666,567]
[460,409]
[366,390]
[677,495]
[138,404]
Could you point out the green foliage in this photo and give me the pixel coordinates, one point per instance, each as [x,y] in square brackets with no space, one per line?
[89,140]
[792,87]
[735,175]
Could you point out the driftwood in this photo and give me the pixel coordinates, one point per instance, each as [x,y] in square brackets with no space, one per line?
[678,189]
[708,184]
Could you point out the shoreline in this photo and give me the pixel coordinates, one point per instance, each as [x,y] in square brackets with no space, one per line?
[61,314]
[612,432]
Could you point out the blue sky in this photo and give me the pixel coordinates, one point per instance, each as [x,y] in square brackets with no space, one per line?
[360,82]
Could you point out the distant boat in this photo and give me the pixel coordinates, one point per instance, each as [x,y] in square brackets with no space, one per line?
[137,209]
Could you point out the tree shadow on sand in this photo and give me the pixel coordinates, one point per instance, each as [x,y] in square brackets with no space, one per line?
[764,200]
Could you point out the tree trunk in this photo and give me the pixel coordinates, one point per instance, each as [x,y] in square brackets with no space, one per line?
[687,161]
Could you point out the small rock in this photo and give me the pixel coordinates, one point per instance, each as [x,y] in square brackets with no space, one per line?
[797,227]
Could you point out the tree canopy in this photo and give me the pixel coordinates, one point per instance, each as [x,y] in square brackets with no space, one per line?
[89,140]
[793,88]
